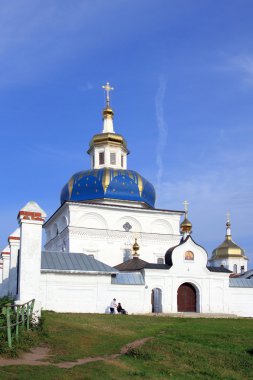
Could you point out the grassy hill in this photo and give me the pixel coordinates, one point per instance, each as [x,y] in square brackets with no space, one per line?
[180,348]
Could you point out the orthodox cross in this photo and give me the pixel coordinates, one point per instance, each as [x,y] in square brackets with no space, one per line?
[107,89]
[186,204]
[228,216]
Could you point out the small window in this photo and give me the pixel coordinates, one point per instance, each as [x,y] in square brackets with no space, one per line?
[113,158]
[235,268]
[160,260]
[122,161]
[101,158]
[189,255]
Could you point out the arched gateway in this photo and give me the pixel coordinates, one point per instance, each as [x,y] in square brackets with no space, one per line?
[186,298]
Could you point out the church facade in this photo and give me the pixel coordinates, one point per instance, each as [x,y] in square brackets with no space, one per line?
[90,256]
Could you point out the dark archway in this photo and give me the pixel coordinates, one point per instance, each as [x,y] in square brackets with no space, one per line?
[186,298]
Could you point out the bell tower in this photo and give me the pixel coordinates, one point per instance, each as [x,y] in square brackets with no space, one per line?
[108,149]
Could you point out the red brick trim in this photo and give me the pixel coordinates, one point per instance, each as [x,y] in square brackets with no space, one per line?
[31,216]
[6,253]
[29,213]
[13,238]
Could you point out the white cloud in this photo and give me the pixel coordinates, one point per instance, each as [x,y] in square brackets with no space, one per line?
[87,87]
[37,36]
[242,64]
[220,183]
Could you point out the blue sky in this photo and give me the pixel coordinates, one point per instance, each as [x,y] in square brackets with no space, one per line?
[183,99]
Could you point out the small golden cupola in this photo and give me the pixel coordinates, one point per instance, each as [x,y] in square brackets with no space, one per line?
[229,254]
[228,248]
[136,248]
[186,226]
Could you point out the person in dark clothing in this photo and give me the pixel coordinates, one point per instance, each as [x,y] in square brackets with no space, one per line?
[120,309]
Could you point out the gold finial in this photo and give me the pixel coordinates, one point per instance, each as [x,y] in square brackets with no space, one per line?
[186,226]
[136,248]
[228,225]
[228,218]
[107,89]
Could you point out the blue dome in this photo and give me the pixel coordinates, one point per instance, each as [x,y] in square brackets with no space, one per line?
[108,183]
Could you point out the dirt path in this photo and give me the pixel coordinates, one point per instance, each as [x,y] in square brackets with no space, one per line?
[40,355]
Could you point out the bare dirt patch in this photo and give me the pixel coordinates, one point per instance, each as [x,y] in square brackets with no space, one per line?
[40,355]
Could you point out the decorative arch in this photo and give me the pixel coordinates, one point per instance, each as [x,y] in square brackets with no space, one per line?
[161,226]
[136,225]
[92,220]
[48,235]
[62,223]
[55,230]
[187,297]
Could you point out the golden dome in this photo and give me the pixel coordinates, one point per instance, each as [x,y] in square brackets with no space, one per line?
[228,248]
[186,226]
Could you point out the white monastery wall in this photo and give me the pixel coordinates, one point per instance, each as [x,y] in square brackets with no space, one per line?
[241,301]
[212,291]
[93,293]
[79,293]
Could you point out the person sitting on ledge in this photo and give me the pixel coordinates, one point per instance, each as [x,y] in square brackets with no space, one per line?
[120,309]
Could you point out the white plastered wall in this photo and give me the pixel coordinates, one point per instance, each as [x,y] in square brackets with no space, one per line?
[241,301]
[98,230]
[80,293]
[211,287]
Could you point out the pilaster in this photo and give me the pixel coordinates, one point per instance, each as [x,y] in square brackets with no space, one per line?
[31,217]
[14,242]
[5,271]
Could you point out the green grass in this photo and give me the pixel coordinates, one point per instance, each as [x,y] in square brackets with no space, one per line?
[181,348]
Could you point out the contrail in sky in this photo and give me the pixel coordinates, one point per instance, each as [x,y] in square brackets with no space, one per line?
[161,126]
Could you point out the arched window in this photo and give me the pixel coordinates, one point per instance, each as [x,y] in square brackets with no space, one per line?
[101,158]
[235,268]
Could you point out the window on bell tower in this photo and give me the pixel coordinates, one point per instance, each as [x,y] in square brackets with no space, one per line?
[101,158]
[113,158]
[122,160]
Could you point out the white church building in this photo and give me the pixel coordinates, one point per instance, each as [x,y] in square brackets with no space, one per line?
[107,240]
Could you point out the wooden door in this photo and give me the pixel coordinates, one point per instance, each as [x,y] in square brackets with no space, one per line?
[186,298]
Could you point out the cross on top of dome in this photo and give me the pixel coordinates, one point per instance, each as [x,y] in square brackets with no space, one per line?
[107,89]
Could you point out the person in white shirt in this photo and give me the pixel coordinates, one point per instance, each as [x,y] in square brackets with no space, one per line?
[113,306]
